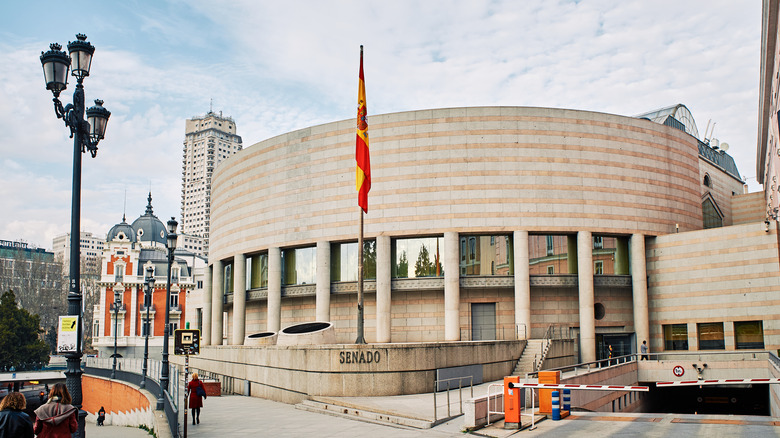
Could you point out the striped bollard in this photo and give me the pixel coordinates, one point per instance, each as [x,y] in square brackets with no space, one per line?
[567,399]
[556,405]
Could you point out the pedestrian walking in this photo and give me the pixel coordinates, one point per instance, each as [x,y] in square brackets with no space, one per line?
[101,416]
[643,349]
[197,393]
[56,418]
[14,422]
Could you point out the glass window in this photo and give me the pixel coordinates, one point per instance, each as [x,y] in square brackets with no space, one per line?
[174,300]
[675,337]
[749,335]
[487,255]
[711,336]
[425,253]
[118,273]
[712,218]
[343,261]
[258,271]
[227,278]
[604,254]
[299,266]
[546,251]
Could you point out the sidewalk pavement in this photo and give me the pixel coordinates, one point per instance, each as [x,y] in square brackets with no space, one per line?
[94,431]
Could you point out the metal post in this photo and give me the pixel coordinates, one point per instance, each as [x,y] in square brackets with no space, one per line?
[186,388]
[164,371]
[360,338]
[148,302]
[73,372]
[116,333]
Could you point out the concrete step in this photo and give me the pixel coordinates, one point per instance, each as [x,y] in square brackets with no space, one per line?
[355,413]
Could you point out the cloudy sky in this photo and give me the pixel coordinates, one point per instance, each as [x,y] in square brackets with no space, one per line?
[279,66]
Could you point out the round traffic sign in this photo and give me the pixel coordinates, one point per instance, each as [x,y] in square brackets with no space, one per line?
[678,371]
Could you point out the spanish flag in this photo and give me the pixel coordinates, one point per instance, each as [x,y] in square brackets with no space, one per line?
[363,169]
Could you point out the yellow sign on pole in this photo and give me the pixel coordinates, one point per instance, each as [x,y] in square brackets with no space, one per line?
[67,336]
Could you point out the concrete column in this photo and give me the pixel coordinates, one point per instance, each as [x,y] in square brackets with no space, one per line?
[274,290]
[451,287]
[322,309]
[585,278]
[383,289]
[239,299]
[639,285]
[621,256]
[522,286]
[206,335]
[217,293]
[571,254]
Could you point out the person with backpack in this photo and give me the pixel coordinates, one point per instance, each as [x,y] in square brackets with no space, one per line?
[197,393]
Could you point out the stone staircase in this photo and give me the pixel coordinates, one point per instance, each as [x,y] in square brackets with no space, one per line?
[534,349]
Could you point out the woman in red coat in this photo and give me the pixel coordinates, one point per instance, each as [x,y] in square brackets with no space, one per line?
[196,401]
[57,418]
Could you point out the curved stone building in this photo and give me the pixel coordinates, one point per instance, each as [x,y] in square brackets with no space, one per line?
[483,223]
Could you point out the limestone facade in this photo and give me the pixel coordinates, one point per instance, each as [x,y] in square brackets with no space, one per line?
[578,179]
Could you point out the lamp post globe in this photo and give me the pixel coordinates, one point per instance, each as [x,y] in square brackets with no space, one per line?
[164,373]
[56,64]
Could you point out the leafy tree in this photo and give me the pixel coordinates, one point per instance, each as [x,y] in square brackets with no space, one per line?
[423,266]
[403,266]
[20,346]
[369,259]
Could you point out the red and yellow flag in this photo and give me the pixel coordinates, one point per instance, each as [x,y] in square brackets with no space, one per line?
[363,169]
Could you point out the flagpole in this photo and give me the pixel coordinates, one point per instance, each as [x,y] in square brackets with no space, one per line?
[360,339]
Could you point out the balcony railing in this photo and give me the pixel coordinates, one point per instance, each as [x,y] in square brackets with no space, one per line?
[117,308]
[142,308]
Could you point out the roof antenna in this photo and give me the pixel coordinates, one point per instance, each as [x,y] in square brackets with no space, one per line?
[211,105]
[124,208]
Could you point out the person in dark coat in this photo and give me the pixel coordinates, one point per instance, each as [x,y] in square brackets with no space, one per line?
[57,418]
[101,416]
[196,400]
[14,423]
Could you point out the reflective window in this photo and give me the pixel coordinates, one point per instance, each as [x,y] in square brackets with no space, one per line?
[299,266]
[548,254]
[425,253]
[343,261]
[712,218]
[257,265]
[711,336]
[749,335]
[486,255]
[605,255]
[227,278]
[675,337]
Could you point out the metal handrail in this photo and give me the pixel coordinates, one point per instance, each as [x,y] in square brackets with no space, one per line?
[460,393]
[495,398]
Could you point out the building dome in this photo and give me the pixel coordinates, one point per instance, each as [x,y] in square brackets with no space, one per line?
[148,228]
[122,231]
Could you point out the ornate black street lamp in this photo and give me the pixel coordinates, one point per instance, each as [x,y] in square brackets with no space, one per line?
[172,224]
[117,302]
[148,302]
[86,135]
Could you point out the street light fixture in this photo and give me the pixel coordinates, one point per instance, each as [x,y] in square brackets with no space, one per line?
[148,302]
[86,135]
[117,302]
[172,237]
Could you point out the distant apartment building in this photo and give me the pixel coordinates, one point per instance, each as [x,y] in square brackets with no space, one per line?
[35,277]
[208,141]
[91,252]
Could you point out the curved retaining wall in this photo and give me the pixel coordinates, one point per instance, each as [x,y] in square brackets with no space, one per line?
[125,405]
[293,373]
[485,169]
